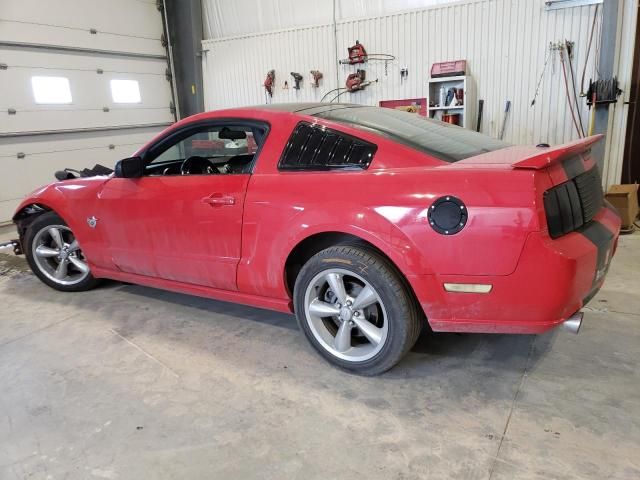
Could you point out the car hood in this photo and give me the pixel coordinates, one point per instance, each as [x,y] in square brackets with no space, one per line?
[79,188]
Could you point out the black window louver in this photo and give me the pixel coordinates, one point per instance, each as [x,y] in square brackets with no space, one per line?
[314,147]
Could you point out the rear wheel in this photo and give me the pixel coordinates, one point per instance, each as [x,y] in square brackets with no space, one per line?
[55,256]
[355,309]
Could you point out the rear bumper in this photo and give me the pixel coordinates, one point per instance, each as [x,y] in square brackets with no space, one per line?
[553,280]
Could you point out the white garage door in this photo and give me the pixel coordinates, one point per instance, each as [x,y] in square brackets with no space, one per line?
[81,82]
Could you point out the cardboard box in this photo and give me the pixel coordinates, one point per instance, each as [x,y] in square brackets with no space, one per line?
[625,199]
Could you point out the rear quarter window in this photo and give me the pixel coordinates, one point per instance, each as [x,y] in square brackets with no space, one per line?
[314,147]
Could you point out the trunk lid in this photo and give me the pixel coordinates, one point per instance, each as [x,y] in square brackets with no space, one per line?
[530,157]
[568,183]
[562,162]
[554,155]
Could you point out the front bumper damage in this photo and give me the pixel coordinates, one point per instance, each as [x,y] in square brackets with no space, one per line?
[14,244]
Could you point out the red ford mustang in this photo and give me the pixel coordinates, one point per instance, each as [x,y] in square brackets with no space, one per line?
[366,222]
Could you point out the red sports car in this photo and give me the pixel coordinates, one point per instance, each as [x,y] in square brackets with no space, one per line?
[366,222]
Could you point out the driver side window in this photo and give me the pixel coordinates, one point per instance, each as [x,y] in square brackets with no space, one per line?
[214,150]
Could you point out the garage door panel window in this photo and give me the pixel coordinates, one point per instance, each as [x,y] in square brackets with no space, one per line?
[125,91]
[214,151]
[51,90]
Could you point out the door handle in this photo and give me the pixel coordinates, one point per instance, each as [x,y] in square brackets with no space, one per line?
[217,199]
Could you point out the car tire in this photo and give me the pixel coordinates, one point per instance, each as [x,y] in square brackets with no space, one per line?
[377,336]
[40,245]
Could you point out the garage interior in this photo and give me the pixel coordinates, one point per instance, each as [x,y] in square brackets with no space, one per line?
[130,382]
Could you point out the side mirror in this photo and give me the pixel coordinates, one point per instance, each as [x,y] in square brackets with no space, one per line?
[132,167]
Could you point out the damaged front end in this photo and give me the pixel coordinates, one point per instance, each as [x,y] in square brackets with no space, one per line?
[15,244]
[22,220]
[70,173]
[30,209]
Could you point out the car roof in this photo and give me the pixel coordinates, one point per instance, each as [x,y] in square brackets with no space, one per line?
[301,108]
[306,108]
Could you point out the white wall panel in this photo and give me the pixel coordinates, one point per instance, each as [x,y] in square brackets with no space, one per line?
[90,91]
[235,69]
[130,27]
[121,25]
[504,41]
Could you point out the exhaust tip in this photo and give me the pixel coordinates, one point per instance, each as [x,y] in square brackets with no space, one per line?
[573,323]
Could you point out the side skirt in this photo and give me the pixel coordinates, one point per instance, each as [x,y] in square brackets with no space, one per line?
[279,305]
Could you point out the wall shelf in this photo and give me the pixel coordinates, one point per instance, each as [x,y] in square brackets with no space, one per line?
[466,111]
[457,107]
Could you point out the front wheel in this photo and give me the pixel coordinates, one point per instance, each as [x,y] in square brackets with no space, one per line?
[354,308]
[55,256]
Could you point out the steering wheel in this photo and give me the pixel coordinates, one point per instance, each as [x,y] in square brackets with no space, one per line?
[196,165]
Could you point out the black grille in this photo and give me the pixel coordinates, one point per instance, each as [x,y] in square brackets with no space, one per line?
[589,187]
[573,204]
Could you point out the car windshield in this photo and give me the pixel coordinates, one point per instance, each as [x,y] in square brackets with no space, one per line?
[441,140]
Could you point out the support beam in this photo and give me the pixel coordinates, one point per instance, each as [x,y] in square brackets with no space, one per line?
[184,19]
[605,67]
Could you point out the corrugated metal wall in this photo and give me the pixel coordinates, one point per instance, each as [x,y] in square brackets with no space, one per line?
[504,41]
[226,18]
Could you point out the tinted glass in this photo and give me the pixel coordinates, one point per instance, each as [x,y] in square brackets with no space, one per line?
[441,140]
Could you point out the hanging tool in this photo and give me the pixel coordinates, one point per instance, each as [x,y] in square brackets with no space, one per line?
[507,107]
[269,81]
[592,116]
[480,108]
[404,73]
[357,54]
[544,69]
[586,59]
[285,86]
[605,90]
[296,78]
[569,47]
[566,88]
[355,82]
[316,76]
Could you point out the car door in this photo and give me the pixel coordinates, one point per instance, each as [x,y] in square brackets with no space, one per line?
[184,225]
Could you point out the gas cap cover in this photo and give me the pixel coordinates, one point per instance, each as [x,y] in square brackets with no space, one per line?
[447,215]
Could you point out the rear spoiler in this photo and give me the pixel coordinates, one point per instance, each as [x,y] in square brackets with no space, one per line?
[552,155]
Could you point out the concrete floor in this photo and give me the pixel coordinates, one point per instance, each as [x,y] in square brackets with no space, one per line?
[126,382]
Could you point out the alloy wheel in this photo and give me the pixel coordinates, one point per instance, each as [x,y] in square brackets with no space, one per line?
[346,315]
[58,256]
